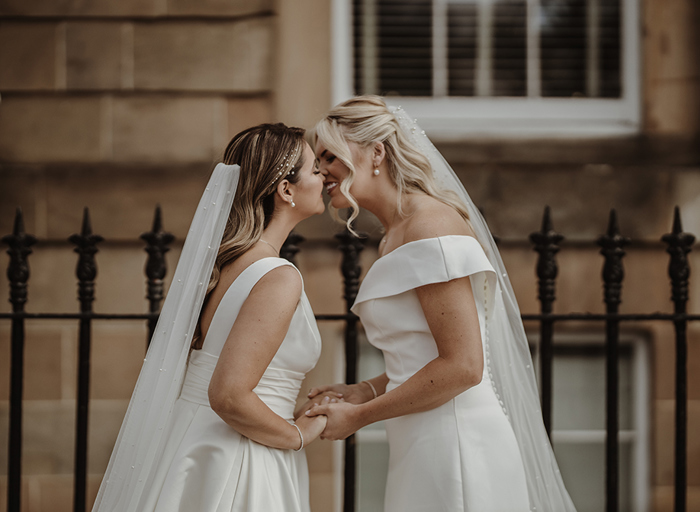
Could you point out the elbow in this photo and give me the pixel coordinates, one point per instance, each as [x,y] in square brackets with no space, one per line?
[222,403]
[472,375]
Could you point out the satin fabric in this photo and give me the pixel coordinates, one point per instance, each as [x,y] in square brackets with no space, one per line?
[463,455]
[208,466]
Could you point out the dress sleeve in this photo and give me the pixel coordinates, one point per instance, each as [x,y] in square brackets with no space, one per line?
[426,261]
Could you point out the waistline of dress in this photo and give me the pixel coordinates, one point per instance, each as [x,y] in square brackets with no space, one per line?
[278,388]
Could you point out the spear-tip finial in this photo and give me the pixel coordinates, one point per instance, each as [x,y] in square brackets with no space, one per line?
[19,222]
[87,226]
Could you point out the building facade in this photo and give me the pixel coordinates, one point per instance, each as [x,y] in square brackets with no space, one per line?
[119,105]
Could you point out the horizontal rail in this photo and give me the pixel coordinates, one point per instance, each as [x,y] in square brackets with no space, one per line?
[555,317]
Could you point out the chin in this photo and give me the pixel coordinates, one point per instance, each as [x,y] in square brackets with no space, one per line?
[339,203]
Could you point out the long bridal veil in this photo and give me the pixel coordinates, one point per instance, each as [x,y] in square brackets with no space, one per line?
[138,448]
[510,362]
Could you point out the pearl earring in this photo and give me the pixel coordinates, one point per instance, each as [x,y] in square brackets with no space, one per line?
[293,205]
[376,172]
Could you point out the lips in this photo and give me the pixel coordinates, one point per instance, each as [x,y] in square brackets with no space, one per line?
[330,187]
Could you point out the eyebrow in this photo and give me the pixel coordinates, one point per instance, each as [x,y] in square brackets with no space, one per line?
[324,152]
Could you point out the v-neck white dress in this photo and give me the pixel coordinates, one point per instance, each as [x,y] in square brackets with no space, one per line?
[207,466]
[463,455]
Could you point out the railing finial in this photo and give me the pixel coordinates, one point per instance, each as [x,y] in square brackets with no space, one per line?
[19,244]
[86,270]
[157,242]
[612,248]
[679,244]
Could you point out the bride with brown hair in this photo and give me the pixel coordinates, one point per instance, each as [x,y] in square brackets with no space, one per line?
[459,397]
[211,425]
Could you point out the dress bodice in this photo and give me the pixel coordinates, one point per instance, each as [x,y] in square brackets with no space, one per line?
[279,386]
[389,308]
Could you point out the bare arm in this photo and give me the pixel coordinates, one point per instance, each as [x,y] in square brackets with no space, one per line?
[451,314]
[257,334]
[354,393]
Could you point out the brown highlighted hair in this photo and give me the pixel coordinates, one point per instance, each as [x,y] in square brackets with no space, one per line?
[262,152]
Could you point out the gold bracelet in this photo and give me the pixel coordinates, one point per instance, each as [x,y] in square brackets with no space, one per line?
[374,391]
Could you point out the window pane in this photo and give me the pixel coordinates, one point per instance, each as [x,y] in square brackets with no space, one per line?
[373,464]
[610,49]
[582,467]
[563,47]
[579,388]
[461,48]
[510,48]
[405,47]
[404,51]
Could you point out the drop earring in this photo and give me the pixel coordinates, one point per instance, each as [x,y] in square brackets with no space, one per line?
[376,172]
[293,205]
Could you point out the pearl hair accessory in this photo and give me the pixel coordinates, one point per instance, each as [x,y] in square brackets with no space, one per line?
[376,172]
[287,162]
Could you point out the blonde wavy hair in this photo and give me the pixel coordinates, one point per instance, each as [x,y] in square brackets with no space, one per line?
[262,152]
[365,120]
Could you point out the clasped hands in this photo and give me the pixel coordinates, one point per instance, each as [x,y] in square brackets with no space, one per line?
[338,402]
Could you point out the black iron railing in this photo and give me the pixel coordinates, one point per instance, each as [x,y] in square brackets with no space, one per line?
[546,243]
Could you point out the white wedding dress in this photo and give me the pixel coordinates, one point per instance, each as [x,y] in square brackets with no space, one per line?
[463,455]
[206,465]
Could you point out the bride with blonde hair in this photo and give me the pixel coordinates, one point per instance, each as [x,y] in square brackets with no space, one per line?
[459,397]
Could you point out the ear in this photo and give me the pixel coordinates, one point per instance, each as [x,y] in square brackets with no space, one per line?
[285,191]
[378,154]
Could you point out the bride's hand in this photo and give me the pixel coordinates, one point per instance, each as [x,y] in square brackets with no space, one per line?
[354,393]
[311,427]
[325,397]
[342,419]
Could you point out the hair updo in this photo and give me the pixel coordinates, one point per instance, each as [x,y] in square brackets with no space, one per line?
[267,154]
[365,120]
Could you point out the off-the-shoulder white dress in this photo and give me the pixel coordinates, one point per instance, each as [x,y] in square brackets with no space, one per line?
[463,455]
[207,466]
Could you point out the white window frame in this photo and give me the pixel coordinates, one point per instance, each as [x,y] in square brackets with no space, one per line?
[456,118]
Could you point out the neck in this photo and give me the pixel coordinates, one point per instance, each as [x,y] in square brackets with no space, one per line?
[383,204]
[278,230]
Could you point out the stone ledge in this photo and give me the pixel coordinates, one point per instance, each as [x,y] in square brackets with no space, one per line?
[134,8]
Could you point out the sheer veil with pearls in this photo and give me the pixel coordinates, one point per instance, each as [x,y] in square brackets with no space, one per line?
[138,449]
[510,361]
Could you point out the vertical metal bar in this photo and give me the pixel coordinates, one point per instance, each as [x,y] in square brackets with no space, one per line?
[679,244]
[18,274]
[86,271]
[546,244]
[157,242]
[289,248]
[612,244]
[350,246]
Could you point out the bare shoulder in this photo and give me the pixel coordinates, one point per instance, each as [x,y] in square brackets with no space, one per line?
[282,283]
[433,218]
